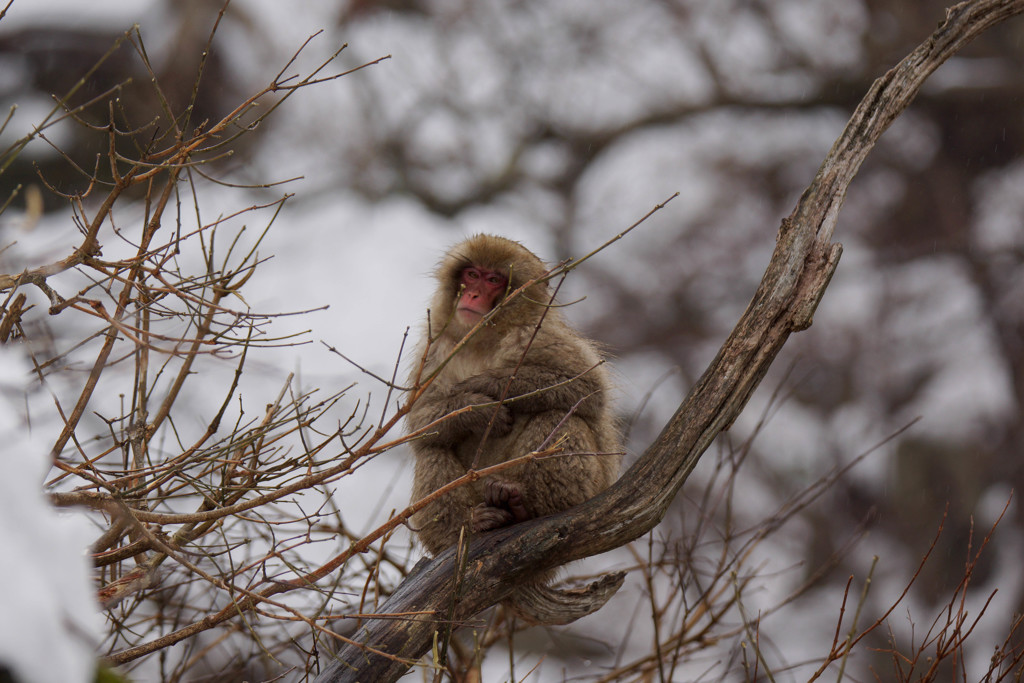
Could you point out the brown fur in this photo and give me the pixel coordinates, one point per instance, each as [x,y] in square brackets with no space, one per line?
[576,415]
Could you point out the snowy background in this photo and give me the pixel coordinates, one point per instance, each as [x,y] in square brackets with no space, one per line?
[559,125]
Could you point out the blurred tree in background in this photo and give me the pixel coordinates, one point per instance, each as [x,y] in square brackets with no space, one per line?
[559,124]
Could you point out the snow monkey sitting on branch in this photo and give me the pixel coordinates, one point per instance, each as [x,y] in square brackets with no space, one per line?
[521,382]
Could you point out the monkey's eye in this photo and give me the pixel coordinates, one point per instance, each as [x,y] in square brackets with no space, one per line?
[482,276]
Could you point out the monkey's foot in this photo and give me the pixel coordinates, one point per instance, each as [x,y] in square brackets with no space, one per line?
[486,518]
[503,505]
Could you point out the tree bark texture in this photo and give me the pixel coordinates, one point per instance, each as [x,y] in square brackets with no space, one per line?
[795,280]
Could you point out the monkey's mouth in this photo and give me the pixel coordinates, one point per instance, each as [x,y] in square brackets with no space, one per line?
[469,313]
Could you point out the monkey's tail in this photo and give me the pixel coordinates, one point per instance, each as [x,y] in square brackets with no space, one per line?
[541,604]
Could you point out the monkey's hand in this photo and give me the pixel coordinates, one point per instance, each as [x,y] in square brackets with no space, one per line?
[502,506]
[477,420]
[479,390]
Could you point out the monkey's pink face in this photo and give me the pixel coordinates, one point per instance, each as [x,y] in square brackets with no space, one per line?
[481,289]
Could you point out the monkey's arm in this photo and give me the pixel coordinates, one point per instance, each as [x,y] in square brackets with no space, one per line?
[539,388]
[437,406]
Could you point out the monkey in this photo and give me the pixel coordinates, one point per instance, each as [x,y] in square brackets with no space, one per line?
[530,382]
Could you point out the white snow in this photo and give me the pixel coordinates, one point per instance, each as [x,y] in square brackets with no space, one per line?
[51,623]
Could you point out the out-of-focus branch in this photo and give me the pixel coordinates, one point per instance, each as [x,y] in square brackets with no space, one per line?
[180,502]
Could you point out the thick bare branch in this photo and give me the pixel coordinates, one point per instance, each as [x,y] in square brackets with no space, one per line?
[794,282]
